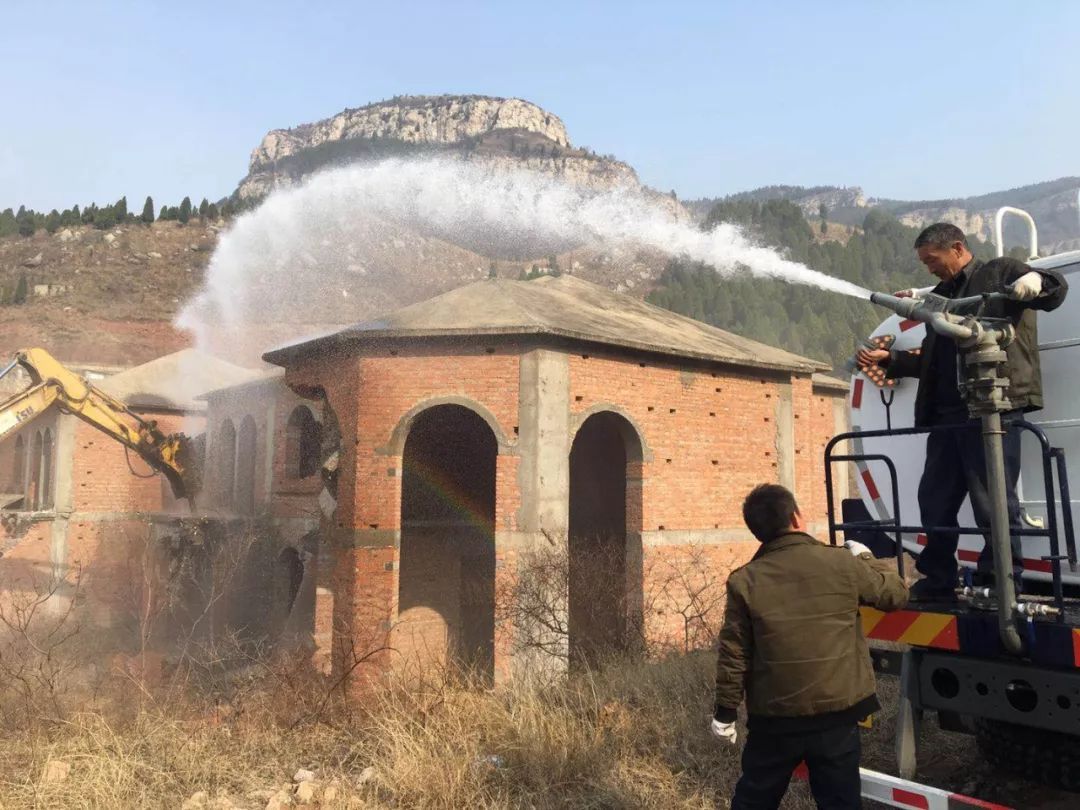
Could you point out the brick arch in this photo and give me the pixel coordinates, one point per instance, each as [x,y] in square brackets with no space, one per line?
[637,448]
[396,444]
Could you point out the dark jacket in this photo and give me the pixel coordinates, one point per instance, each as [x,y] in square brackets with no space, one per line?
[792,638]
[1022,366]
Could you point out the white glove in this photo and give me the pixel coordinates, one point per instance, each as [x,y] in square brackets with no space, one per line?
[857,548]
[724,731]
[1026,287]
[912,292]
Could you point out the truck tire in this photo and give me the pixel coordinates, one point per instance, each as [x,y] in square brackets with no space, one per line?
[1048,757]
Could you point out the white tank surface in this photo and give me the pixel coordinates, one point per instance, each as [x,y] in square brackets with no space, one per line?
[1059,350]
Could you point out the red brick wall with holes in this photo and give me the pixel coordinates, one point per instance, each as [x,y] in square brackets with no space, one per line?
[108,478]
[711,435]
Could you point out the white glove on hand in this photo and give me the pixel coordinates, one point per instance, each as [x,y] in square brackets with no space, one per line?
[1026,287]
[912,292]
[857,548]
[724,731]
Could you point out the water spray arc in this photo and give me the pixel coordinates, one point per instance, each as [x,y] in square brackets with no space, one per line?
[305,236]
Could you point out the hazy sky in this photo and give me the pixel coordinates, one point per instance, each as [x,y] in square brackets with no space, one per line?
[906,99]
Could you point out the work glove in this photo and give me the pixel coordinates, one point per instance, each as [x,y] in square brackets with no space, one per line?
[724,731]
[1027,287]
[857,548]
[912,292]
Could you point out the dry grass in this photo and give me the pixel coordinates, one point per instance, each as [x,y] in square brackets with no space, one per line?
[631,736]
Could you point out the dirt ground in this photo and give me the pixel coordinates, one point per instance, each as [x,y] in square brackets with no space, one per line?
[953,762]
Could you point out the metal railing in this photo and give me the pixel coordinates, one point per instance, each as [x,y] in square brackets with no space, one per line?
[1053,460]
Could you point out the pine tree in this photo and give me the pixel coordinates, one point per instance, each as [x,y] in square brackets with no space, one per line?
[25,221]
[52,221]
[212,212]
[21,290]
[148,211]
[204,206]
[184,214]
[120,209]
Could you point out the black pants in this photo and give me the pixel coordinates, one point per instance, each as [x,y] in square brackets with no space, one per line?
[831,755]
[955,467]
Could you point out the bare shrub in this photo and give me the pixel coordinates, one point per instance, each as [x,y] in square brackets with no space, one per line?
[37,662]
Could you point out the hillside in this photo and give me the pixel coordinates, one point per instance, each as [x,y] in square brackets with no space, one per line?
[1053,204]
[110,293]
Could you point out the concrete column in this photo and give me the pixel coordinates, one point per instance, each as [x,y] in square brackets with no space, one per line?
[843,472]
[271,430]
[544,441]
[64,504]
[543,519]
[785,435]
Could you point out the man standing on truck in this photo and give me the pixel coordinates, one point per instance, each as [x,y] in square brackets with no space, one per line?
[955,464]
[792,642]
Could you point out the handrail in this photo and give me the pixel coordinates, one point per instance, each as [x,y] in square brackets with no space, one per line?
[999,238]
[1051,457]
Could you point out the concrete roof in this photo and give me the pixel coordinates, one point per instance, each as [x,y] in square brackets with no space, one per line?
[263,377]
[175,381]
[556,306]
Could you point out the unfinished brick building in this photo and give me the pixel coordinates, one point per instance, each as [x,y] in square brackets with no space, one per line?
[76,505]
[505,419]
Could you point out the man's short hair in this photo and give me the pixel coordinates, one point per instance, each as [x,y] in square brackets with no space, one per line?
[768,511]
[940,235]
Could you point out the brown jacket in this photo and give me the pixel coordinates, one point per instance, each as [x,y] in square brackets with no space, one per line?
[792,638]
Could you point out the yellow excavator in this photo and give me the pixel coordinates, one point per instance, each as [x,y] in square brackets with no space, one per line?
[51,383]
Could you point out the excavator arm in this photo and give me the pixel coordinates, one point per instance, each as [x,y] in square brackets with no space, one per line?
[50,382]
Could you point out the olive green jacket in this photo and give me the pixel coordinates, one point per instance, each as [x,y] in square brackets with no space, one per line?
[792,638]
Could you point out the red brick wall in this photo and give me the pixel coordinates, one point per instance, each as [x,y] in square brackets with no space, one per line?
[712,435]
[103,482]
[391,386]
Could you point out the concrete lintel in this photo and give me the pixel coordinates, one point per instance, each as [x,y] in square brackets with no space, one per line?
[698,537]
[364,538]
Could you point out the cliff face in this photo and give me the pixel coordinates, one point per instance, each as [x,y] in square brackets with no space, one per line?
[509,132]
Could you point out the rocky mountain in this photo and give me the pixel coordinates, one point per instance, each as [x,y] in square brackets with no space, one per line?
[1053,204]
[510,131]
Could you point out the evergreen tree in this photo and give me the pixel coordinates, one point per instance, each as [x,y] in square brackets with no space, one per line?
[493,271]
[52,221]
[184,214]
[204,206]
[21,291]
[8,225]
[76,215]
[148,211]
[120,211]
[25,222]
[823,212]
[212,212]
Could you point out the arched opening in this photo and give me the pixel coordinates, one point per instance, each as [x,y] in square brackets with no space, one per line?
[245,467]
[290,574]
[446,592]
[604,566]
[226,467]
[18,471]
[47,470]
[301,444]
[33,495]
